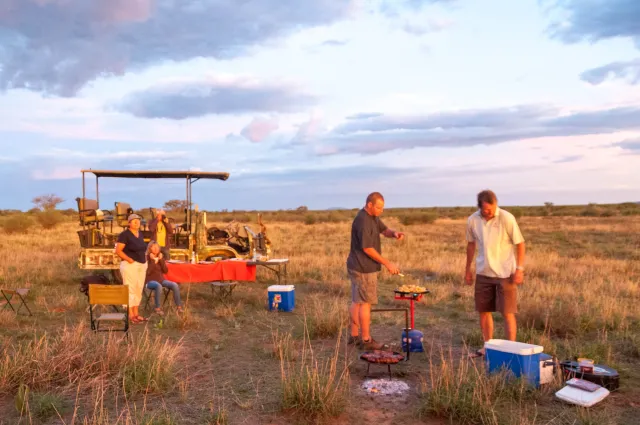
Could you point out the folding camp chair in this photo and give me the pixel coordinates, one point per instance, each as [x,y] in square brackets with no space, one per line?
[21,293]
[148,293]
[109,295]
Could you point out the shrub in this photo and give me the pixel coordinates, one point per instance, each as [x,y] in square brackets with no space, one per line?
[517,212]
[590,211]
[69,212]
[20,223]
[309,219]
[49,219]
[47,406]
[419,218]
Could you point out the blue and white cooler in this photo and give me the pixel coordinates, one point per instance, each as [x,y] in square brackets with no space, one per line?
[523,360]
[281,297]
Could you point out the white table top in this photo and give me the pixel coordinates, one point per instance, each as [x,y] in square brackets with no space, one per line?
[270,261]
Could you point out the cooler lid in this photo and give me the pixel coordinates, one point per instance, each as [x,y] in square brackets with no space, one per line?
[280,288]
[513,347]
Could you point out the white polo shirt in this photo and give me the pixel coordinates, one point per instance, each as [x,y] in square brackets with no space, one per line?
[495,243]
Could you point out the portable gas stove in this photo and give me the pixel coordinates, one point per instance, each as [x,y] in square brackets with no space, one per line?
[411,338]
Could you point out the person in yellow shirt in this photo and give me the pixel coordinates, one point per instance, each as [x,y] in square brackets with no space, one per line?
[162,232]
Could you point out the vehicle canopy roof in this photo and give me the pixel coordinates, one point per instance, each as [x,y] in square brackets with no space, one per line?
[134,174]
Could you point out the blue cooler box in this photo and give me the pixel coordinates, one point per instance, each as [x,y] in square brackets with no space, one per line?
[520,358]
[281,297]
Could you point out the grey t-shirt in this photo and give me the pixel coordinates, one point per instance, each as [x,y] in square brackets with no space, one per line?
[365,233]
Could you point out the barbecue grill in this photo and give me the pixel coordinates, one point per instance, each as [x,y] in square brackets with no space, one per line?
[381,357]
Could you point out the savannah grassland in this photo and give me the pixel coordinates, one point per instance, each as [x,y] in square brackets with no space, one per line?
[240,364]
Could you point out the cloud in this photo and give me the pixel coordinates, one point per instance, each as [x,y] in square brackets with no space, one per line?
[364,115]
[596,20]
[471,127]
[630,145]
[56,173]
[394,7]
[627,70]
[566,159]
[63,164]
[120,155]
[430,26]
[195,98]
[335,43]
[259,129]
[56,47]
[309,130]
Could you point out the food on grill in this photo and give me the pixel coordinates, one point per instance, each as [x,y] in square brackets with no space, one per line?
[411,288]
[383,357]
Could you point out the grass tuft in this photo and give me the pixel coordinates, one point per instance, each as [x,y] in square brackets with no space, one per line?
[314,387]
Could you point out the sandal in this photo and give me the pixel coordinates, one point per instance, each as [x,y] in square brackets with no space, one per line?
[142,319]
[179,310]
[134,320]
[159,312]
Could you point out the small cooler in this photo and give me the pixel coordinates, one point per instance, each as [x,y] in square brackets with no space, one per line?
[524,360]
[281,297]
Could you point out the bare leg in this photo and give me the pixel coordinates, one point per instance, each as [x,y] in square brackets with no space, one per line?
[354,311]
[486,325]
[365,321]
[510,326]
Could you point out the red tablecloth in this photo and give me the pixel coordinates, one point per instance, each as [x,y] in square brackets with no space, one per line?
[200,273]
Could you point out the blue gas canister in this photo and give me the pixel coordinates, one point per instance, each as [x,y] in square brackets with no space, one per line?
[413,340]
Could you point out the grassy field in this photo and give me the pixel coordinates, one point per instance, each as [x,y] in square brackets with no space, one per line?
[238,363]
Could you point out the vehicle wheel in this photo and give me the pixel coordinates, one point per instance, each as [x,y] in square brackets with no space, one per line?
[116,276]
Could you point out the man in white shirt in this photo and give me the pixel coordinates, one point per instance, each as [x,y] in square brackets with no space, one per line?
[495,234]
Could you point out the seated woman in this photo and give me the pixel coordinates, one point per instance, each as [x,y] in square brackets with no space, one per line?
[156,268]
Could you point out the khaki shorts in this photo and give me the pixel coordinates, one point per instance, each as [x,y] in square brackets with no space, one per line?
[364,287]
[496,294]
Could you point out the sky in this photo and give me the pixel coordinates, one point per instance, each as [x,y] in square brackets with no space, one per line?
[321,102]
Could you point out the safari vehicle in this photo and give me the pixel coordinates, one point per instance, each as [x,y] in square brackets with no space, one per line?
[192,238]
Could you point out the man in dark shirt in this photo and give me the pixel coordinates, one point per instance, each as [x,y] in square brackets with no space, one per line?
[363,264]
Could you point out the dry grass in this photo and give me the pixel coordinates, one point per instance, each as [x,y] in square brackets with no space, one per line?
[72,358]
[325,317]
[580,298]
[315,389]
[461,390]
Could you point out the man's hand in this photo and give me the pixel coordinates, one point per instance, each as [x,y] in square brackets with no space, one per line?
[468,277]
[130,260]
[518,277]
[159,256]
[398,235]
[393,269]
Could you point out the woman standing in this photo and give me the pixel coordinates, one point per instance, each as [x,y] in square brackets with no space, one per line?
[131,248]
[156,268]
